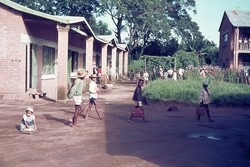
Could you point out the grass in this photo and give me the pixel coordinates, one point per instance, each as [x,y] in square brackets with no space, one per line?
[222,93]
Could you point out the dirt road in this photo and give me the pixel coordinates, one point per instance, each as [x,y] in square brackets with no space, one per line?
[169,139]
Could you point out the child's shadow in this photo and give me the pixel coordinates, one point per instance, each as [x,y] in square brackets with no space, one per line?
[49,117]
[17,127]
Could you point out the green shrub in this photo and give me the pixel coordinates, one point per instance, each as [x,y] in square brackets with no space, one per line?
[222,93]
[136,66]
[233,76]
[192,74]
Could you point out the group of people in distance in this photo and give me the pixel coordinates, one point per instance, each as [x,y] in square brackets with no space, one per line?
[160,74]
[139,75]
[98,74]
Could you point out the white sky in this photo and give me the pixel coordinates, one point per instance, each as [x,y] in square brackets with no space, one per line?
[208,17]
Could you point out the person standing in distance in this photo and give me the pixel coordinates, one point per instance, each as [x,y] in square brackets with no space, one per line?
[205,99]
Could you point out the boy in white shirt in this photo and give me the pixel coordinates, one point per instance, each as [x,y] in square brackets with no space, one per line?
[93,89]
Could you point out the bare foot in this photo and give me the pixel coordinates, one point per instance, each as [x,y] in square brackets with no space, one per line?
[87,117]
[130,121]
[75,126]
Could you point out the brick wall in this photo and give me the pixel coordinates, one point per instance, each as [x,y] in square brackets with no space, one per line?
[226,50]
[12,53]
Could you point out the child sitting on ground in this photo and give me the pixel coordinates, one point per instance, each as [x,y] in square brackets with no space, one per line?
[28,123]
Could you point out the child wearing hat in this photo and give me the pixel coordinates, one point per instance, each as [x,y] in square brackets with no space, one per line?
[76,92]
[205,99]
[28,123]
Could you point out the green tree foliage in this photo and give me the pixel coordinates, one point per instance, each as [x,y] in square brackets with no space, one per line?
[156,48]
[136,65]
[211,53]
[117,10]
[85,8]
[183,59]
[148,20]
[101,28]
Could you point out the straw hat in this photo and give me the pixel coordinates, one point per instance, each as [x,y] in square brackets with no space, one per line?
[30,109]
[82,73]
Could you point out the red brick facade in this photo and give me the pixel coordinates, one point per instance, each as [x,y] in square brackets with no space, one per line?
[24,36]
[12,61]
[234,53]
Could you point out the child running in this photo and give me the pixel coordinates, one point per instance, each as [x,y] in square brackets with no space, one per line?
[28,123]
[93,90]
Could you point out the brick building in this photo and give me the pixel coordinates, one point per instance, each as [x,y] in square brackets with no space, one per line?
[39,52]
[234,46]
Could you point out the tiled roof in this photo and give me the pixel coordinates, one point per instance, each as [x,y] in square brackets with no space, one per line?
[239,18]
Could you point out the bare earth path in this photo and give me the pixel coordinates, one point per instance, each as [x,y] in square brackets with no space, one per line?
[170,139]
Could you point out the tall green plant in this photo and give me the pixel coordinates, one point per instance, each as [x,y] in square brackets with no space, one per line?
[222,93]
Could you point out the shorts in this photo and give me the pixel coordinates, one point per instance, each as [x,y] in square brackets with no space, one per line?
[138,103]
[92,100]
[78,100]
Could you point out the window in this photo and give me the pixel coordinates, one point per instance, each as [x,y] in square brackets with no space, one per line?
[48,60]
[73,56]
[225,39]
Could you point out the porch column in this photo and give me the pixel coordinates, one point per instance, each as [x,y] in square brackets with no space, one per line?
[89,54]
[236,51]
[104,62]
[62,61]
[120,55]
[113,59]
[126,64]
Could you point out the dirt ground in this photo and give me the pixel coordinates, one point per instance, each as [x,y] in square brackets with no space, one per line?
[169,139]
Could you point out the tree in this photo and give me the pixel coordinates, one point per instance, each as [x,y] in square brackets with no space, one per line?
[158,48]
[210,53]
[183,59]
[116,9]
[147,20]
[84,8]
[101,28]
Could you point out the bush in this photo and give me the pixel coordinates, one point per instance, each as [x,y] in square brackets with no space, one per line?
[222,93]
[136,66]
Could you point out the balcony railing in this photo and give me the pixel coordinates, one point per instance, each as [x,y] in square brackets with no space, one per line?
[244,44]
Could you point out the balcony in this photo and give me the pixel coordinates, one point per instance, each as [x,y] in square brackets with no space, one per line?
[244,44]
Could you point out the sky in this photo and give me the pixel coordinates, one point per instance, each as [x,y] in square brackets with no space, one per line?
[208,17]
